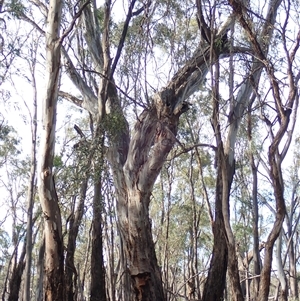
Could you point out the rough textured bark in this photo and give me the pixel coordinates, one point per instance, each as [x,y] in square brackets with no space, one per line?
[98,290]
[216,277]
[16,277]
[256,255]
[54,262]
[133,208]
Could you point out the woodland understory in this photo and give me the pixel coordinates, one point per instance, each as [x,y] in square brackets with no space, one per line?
[149,150]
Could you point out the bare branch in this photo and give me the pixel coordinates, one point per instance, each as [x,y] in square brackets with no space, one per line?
[122,39]
[78,102]
[77,15]
[90,99]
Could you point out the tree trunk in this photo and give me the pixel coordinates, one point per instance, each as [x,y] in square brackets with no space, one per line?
[292,267]
[280,214]
[216,278]
[228,170]
[40,272]
[31,194]
[283,288]
[256,254]
[98,290]
[16,277]
[292,222]
[74,223]
[152,140]
[293,273]
[255,213]
[141,258]
[54,261]
[225,170]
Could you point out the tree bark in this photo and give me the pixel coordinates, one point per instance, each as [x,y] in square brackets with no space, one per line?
[74,223]
[31,193]
[216,277]
[283,289]
[16,277]
[54,259]
[255,214]
[40,272]
[293,283]
[98,288]
[226,169]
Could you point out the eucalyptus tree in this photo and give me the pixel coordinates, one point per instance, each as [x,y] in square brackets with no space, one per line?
[239,101]
[32,179]
[281,127]
[137,159]
[54,258]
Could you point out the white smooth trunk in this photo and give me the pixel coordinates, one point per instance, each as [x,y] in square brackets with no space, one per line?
[53,285]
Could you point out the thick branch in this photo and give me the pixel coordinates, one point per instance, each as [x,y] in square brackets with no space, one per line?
[89,98]
[92,36]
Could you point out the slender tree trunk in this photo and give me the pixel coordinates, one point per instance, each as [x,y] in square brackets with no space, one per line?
[40,272]
[218,265]
[98,290]
[292,222]
[30,195]
[292,267]
[165,223]
[110,247]
[293,273]
[226,170]
[283,289]
[256,254]
[16,277]
[194,237]
[54,259]
[74,223]
[70,269]
[255,214]
[276,177]
[280,213]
